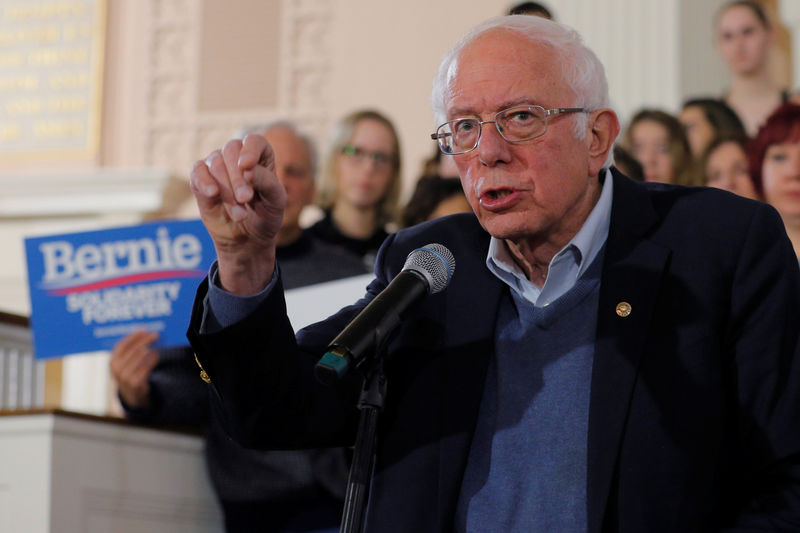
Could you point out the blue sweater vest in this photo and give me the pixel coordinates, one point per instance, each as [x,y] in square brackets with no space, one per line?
[526,470]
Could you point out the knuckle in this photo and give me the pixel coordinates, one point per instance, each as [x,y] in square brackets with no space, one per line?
[215,163]
[254,139]
[198,167]
[232,147]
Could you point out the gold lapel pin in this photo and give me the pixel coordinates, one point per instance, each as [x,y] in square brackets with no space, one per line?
[203,374]
[623,309]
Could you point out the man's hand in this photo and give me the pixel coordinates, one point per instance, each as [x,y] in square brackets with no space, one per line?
[241,203]
[132,360]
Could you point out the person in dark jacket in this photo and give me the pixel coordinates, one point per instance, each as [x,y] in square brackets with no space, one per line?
[609,356]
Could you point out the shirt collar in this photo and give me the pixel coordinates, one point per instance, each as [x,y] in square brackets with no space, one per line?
[568,264]
[594,232]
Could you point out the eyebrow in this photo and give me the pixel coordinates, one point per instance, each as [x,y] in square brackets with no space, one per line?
[465,112]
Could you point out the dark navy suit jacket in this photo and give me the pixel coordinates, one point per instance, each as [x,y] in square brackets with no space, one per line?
[694,420]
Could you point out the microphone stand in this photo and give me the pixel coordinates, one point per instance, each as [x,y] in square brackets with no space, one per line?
[370,403]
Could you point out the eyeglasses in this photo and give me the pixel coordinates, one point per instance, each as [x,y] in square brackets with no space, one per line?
[381,159]
[515,124]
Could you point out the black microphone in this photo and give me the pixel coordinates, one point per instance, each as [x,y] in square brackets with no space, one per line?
[427,270]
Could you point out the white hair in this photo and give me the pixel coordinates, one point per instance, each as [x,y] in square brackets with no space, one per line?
[582,71]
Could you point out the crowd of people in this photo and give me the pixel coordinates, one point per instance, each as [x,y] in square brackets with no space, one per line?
[740,141]
[746,141]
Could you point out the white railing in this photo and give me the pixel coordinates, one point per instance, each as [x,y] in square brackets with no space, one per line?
[21,376]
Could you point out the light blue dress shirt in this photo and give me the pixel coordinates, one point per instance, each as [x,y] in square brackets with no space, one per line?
[567,265]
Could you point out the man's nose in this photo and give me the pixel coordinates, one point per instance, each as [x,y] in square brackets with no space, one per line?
[492,147]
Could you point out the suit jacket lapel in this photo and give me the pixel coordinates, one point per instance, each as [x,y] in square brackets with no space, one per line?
[632,273]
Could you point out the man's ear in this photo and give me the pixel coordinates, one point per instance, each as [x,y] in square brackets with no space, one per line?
[603,129]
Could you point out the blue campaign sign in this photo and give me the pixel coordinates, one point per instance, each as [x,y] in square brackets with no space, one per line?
[88,290]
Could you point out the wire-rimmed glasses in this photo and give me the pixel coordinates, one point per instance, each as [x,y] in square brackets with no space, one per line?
[515,124]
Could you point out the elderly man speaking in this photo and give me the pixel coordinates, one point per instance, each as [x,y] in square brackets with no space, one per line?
[608,357]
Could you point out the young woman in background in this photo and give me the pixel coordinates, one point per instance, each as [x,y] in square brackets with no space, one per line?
[657,141]
[726,167]
[360,184]
[775,166]
[744,36]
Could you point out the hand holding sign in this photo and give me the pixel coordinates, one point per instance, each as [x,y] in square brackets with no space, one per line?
[241,203]
[132,360]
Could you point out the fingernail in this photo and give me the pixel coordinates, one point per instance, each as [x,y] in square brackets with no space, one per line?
[210,190]
[210,159]
[243,193]
[238,212]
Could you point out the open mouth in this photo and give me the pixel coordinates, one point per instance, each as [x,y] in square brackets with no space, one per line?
[499,199]
[498,194]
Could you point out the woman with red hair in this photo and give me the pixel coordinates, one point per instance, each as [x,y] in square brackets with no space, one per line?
[775,166]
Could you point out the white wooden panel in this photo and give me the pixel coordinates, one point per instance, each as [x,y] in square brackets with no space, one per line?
[62,474]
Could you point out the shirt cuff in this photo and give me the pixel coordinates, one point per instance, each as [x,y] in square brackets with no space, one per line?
[222,309]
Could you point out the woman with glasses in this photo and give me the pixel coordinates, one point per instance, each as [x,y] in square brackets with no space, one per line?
[360,184]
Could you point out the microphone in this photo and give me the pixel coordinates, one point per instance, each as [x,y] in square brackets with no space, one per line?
[427,270]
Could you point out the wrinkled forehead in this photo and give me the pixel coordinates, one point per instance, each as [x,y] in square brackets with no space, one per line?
[502,56]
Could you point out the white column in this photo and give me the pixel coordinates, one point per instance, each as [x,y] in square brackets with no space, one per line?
[789,12]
